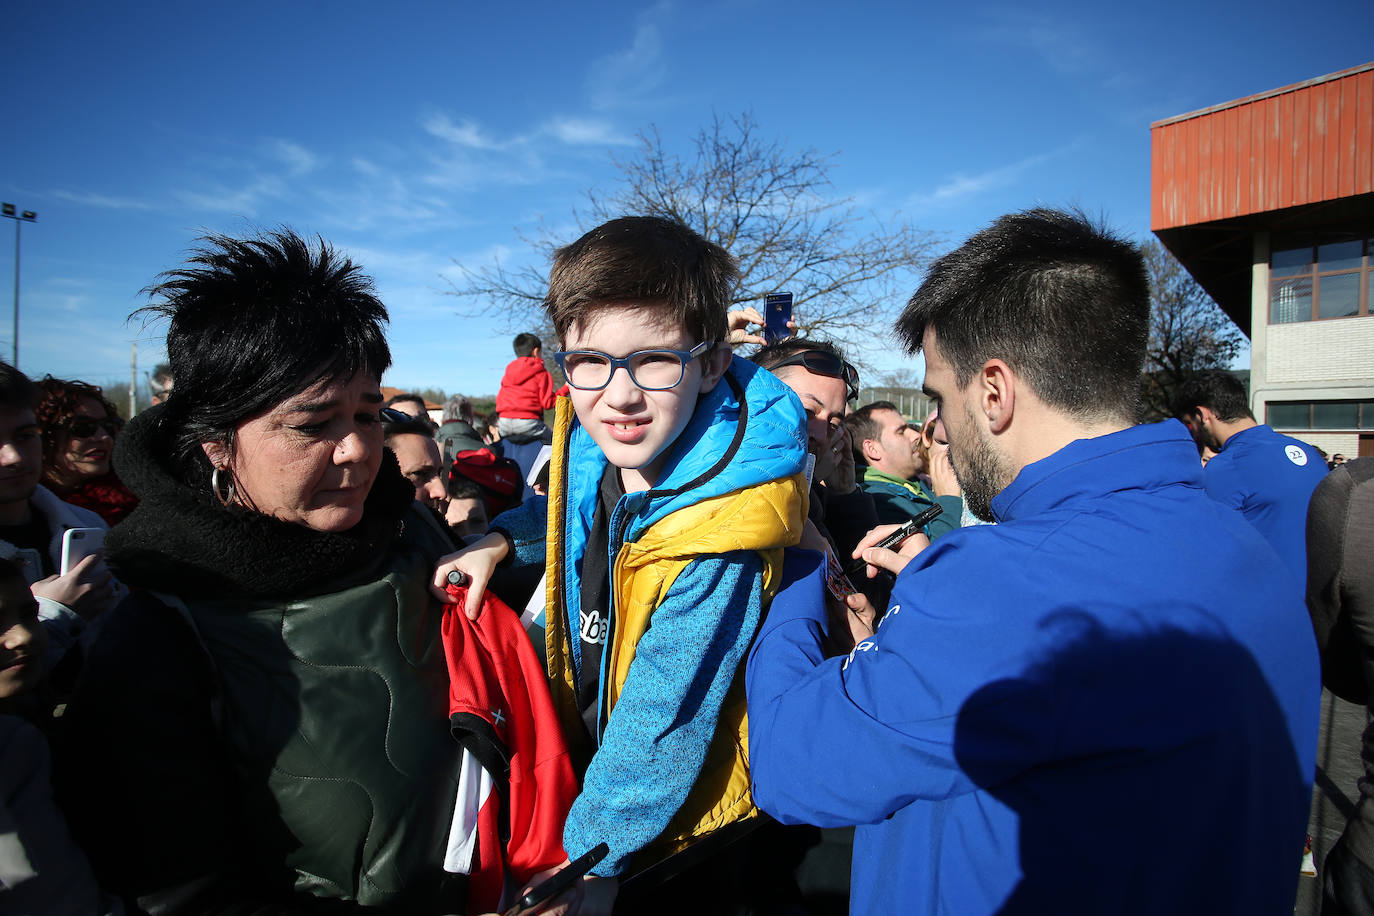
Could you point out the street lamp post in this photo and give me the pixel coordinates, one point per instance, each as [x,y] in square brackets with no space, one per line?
[22,216]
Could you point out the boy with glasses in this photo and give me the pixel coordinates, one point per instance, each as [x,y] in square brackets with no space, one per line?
[676,483]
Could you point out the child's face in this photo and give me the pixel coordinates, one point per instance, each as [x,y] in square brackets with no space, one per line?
[635,428]
[22,640]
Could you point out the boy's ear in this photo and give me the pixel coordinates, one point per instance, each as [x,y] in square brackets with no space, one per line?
[714,364]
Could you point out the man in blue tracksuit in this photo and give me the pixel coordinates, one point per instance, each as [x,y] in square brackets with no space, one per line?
[1107,702]
[1269,477]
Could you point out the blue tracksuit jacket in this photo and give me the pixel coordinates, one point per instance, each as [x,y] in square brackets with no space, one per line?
[1105,704]
[1270,478]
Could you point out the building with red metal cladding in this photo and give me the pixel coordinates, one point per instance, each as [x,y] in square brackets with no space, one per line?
[1268,201]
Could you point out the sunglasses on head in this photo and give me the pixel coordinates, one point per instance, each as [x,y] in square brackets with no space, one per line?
[85,427]
[392,415]
[827,364]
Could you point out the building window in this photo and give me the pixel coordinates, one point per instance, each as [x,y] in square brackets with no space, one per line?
[1315,276]
[1321,415]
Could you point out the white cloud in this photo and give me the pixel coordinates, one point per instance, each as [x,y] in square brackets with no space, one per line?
[245,200]
[103,201]
[960,186]
[1076,48]
[298,159]
[626,77]
[587,132]
[466,133]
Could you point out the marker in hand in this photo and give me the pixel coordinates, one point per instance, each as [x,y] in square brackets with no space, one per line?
[457,581]
[895,539]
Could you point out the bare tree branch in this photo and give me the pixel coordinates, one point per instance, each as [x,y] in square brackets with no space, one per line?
[1188,331]
[770,206]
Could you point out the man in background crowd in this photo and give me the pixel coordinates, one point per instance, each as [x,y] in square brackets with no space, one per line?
[412,405]
[418,455]
[456,433]
[1340,598]
[890,451]
[160,385]
[1267,476]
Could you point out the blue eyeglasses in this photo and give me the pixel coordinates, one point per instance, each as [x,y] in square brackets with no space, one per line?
[652,370]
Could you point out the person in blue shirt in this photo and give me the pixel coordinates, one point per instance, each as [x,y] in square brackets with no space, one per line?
[1267,476]
[1105,703]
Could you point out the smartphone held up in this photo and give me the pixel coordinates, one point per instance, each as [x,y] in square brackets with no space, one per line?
[777,317]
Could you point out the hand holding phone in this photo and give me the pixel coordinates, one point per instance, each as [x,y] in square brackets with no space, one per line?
[86,588]
[77,544]
[777,313]
[557,883]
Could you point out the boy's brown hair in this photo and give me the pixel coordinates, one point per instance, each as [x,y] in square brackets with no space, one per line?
[643,259]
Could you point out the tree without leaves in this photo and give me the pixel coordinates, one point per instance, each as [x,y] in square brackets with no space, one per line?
[767,206]
[1188,331]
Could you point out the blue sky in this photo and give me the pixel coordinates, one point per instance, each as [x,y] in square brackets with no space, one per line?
[412,134]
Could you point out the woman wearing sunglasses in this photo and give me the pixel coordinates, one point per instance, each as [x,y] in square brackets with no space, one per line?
[79,428]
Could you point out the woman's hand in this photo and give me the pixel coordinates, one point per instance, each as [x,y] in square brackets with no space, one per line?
[942,479]
[835,462]
[477,562]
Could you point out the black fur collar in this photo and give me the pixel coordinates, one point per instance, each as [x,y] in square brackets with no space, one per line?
[184,542]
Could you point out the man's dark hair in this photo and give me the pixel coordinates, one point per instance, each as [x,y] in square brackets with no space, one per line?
[460,487]
[1216,389]
[1064,302]
[643,260]
[253,323]
[17,390]
[862,424]
[405,397]
[409,426]
[526,344]
[770,355]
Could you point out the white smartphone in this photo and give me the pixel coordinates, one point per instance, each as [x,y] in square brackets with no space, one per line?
[79,543]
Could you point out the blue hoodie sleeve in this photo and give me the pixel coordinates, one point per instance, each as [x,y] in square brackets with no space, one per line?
[656,739]
[526,527]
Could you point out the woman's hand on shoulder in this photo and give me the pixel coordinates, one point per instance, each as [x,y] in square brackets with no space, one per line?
[477,562]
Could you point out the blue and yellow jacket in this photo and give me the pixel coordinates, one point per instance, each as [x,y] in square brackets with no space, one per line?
[693,563]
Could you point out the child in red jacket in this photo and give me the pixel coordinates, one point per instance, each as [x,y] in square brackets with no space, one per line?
[526,391]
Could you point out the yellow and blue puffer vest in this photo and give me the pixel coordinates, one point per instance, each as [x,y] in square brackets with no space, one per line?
[733,482]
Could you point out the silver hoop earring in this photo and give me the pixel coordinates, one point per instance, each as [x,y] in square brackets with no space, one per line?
[227,495]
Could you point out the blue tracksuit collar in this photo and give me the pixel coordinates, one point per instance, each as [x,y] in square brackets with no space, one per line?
[1140,458]
[1257,431]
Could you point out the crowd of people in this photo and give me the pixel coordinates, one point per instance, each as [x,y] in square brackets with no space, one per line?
[691,621]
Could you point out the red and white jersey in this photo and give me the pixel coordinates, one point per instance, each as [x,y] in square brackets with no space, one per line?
[516,782]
